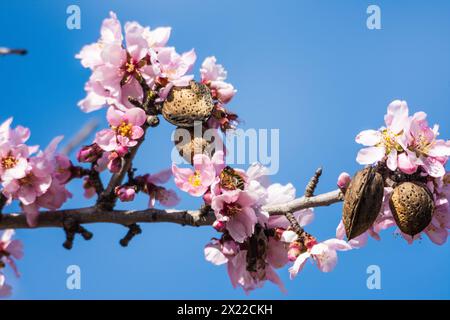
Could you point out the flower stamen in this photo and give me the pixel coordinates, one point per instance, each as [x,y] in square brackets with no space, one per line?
[9,162]
[195,179]
[125,129]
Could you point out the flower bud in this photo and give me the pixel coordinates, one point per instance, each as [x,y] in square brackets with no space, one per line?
[89,190]
[115,162]
[122,151]
[343,180]
[125,193]
[295,249]
[89,154]
[219,225]
[223,91]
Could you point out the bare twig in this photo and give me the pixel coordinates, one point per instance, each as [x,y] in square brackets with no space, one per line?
[94,177]
[321,200]
[312,184]
[183,217]
[133,230]
[80,137]
[6,51]
[2,202]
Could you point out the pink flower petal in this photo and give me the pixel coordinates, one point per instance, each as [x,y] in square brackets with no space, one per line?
[368,138]
[136,116]
[370,155]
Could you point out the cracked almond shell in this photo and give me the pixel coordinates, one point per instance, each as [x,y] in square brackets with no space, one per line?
[412,206]
[186,105]
[362,202]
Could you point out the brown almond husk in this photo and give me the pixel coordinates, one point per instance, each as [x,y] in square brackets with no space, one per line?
[185,106]
[187,148]
[362,202]
[412,206]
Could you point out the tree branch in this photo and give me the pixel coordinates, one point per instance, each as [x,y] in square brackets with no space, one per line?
[6,51]
[80,137]
[90,215]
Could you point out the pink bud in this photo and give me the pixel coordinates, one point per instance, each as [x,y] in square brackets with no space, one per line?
[125,193]
[89,190]
[226,93]
[295,249]
[219,225]
[343,180]
[222,91]
[89,153]
[122,151]
[115,162]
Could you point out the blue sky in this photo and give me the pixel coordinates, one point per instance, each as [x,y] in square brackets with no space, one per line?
[309,68]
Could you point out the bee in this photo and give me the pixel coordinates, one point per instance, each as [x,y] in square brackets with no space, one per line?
[231,180]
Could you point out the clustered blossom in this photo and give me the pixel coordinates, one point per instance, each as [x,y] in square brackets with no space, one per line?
[237,198]
[35,178]
[120,62]
[407,144]
[9,251]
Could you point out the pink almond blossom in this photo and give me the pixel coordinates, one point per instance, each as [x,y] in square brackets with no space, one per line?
[43,183]
[16,136]
[323,253]
[214,75]
[125,129]
[195,182]
[387,141]
[423,148]
[235,208]
[228,252]
[171,68]
[115,68]
[240,276]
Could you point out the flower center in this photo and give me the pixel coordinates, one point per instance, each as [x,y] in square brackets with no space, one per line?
[231,209]
[9,162]
[422,145]
[195,179]
[125,129]
[130,67]
[389,141]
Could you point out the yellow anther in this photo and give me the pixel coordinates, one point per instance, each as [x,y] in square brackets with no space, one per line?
[195,179]
[125,129]
[8,162]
